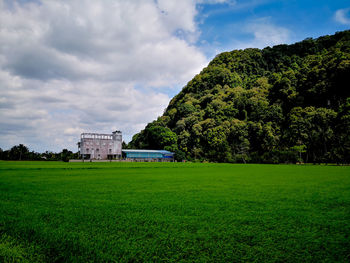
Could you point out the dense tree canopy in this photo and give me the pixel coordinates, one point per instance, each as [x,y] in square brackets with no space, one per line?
[287,103]
[21,152]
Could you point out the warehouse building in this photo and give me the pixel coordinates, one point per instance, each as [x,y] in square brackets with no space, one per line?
[148,155]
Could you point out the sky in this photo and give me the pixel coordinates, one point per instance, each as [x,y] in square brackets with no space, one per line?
[74,66]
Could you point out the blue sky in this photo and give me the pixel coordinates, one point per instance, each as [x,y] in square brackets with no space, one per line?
[74,66]
[223,26]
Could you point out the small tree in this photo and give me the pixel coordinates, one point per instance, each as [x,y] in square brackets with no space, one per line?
[298,150]
[65,155]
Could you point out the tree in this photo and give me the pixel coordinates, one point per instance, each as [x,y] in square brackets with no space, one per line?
[298,150]
[18,152]
[124,145]
[312,127]
[66,155]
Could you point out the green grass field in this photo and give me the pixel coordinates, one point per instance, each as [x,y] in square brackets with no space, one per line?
[151,212]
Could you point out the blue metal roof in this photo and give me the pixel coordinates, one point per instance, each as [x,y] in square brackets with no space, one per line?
[148,153]
[166,152]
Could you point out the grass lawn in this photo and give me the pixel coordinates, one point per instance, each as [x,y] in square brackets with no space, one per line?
[150,212]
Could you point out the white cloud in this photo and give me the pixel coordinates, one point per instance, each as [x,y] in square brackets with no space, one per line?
[266,33]
[261,33]
[173,10]
[73,66]
[343,16]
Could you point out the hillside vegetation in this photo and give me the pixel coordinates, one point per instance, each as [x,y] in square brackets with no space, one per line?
[287,103]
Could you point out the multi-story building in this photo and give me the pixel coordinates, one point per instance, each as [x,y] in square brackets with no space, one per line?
[100,146]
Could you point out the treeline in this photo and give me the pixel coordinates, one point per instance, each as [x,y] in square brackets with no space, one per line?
[21,152]
[288,103]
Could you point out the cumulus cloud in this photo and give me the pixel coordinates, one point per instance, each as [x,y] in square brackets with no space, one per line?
[72,66]
[343,16]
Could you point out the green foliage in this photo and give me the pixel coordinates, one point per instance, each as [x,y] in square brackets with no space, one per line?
[154,136]
[282,97]
[19,152]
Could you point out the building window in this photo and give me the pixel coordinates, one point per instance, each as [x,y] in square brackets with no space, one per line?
[110,150]
[87,150]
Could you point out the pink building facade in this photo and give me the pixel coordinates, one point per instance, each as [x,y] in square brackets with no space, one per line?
[100,146]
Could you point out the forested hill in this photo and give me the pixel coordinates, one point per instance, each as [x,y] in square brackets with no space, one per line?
[287,103]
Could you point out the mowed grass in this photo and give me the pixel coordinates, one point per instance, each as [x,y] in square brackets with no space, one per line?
[151,212]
